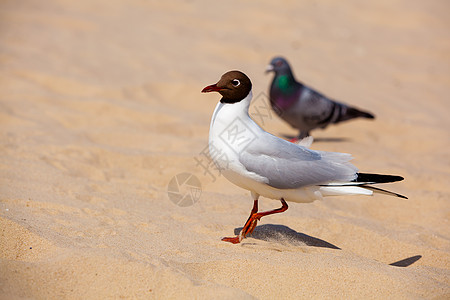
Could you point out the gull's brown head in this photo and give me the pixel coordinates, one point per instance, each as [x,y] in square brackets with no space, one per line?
[234,86]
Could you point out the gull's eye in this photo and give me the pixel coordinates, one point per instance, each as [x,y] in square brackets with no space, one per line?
[235,82]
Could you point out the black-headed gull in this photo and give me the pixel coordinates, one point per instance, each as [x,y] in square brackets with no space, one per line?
[271,167]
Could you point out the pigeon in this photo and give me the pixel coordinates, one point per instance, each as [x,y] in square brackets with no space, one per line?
[269,166]
[301,106]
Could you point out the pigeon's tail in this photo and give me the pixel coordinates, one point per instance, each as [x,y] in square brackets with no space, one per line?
[351,113]
[356,113]
[363,182]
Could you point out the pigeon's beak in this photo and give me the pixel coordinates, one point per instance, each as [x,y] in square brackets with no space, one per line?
[211,88]
[269,68]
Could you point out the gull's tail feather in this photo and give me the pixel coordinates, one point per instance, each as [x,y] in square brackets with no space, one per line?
[362,182]
[339,190]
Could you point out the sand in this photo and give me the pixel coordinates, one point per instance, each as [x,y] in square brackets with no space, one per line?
[101,107]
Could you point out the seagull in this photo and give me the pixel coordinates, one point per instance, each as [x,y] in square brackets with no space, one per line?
[268,166]
[302,107]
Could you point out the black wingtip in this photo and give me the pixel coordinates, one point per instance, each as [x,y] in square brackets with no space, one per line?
[377,178]
[400,196]
[378,190]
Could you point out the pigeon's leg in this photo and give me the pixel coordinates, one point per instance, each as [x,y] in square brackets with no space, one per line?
[301,136]
[255,216]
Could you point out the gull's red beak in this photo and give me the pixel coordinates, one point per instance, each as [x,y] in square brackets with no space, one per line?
[211,88]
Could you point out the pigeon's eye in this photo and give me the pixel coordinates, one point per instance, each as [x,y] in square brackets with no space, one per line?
[279,63]
[235,82]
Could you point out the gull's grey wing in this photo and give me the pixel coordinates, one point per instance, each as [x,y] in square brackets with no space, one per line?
[289,166]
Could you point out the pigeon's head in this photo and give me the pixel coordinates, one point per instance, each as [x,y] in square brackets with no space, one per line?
[234,86]
[279,65]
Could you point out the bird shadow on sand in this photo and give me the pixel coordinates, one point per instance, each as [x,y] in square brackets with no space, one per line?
[284,234]
[280,233]
[406,262]
[322,139]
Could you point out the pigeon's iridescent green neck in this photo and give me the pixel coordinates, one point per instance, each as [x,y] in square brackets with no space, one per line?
[283,82]
[285,91]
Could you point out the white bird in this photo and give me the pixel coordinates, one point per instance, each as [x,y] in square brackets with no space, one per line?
[268,166]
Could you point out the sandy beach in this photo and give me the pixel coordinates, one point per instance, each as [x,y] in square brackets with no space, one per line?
[100,109]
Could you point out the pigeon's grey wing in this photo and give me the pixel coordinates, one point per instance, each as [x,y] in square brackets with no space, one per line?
[317,109]
[285,165]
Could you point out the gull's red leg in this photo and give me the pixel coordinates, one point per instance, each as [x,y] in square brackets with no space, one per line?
[253,219]
[237,239]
